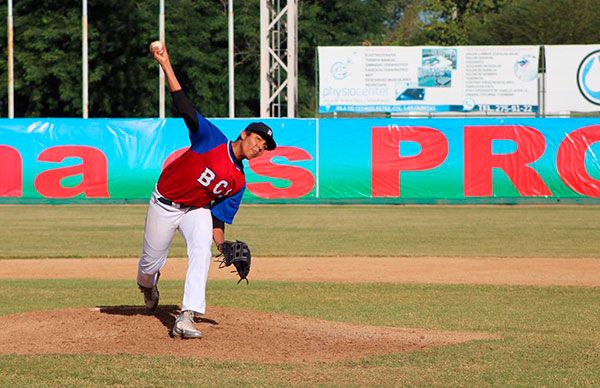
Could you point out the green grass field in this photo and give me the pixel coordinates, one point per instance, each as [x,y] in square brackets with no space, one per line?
[549,335]
[474,231]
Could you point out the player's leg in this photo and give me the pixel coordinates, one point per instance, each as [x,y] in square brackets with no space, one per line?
[161,222]
[196,228]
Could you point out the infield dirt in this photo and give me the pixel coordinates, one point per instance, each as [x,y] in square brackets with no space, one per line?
[267,337]
[430,270]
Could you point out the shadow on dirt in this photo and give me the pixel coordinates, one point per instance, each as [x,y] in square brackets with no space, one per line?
[165,314]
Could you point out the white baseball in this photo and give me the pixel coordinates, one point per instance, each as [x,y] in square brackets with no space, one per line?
[156,46]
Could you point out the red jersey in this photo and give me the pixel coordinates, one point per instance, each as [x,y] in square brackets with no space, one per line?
[206,173]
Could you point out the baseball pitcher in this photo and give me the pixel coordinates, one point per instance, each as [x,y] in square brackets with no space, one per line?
[197,193]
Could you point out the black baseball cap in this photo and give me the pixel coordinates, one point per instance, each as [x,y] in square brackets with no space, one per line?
[264,131]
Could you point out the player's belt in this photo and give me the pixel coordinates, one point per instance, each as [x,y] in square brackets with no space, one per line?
[171,203]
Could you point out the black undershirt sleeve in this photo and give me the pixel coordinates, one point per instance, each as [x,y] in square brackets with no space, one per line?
[217,223]
[185,109]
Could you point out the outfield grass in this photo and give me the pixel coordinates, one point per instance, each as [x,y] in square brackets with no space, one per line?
[549,335]
[42,231]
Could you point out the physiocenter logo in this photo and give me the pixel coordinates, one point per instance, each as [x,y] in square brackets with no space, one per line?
[588,77]
[339,70]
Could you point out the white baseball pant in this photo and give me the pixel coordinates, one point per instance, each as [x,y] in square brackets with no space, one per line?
[195,225]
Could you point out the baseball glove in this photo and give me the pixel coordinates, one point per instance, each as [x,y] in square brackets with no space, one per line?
[236,253]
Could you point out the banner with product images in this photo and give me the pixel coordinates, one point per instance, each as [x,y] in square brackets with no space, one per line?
[499,79]
[572,78]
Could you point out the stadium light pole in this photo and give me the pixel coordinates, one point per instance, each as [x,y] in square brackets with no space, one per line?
[265,92]
[161,74]
[292,57]
[11,75]
[278,57]
[231,61]
[84,59]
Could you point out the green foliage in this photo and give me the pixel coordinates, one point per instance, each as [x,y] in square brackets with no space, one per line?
[441,22]
[497,22]
[47,59]
[335,23]
[538,22]
[123,79]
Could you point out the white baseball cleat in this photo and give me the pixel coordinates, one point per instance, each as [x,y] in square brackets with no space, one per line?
[184,326]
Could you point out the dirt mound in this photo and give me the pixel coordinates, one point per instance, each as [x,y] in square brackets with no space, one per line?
[265,337]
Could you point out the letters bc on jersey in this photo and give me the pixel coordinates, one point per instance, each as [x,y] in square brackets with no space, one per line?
[206,172]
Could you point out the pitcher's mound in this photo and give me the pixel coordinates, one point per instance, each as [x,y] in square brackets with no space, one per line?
[229,334]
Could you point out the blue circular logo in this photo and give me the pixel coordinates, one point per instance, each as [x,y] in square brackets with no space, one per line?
[588,77]
[339,70]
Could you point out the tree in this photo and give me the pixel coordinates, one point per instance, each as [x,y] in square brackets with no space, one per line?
[48,60]
[538,22]
[123,79]
[441,22]
[497,22]
[46,54]
[337,23]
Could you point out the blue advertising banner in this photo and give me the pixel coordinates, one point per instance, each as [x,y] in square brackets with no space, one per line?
[432,160]
[117,160]
[509,160]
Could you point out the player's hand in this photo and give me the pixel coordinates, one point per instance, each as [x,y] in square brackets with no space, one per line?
[161,56]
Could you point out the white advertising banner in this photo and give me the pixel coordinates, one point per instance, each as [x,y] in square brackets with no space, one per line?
[572,78]
[499,79]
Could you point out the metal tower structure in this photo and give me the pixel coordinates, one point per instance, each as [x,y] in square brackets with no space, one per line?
[278,58]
